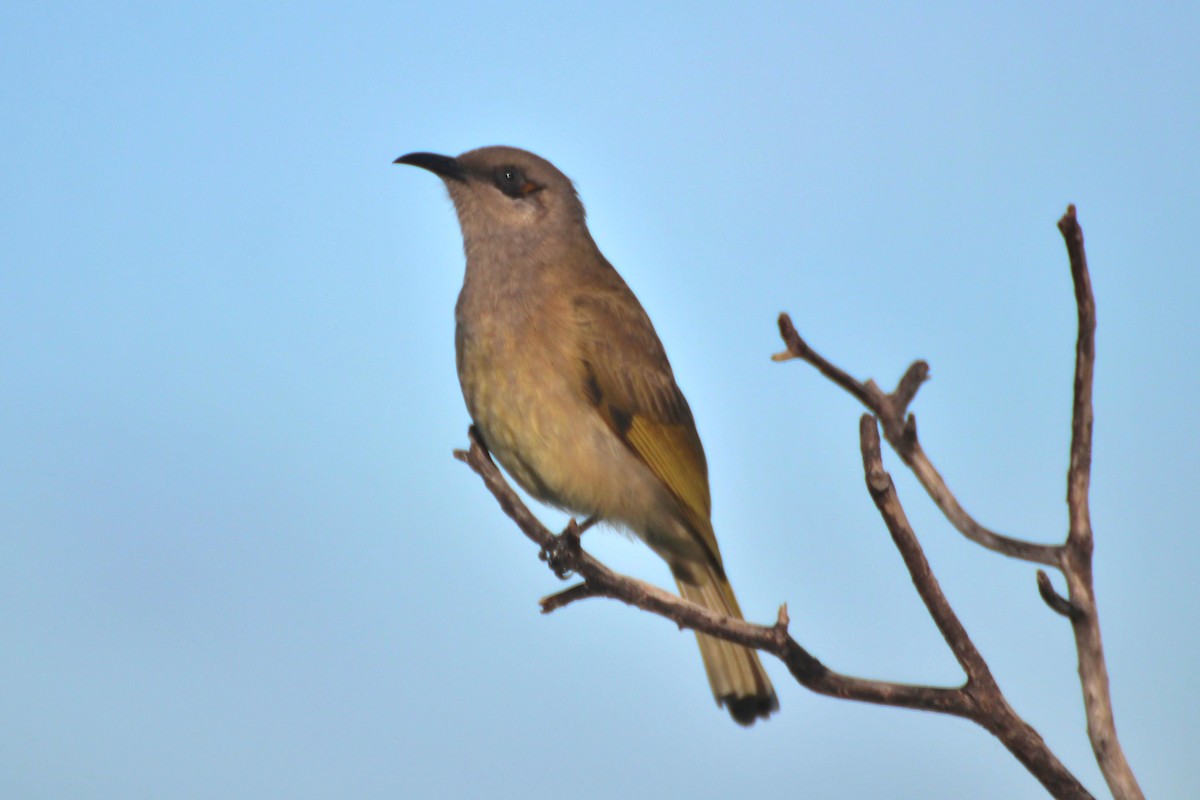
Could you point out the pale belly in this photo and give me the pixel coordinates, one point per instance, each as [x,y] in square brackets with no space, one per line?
[526,397]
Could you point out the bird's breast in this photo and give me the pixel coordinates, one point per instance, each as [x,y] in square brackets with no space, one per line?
[520,376]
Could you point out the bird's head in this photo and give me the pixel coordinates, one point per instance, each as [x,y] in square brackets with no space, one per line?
[504,191]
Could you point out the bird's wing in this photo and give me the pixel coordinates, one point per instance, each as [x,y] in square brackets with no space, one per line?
[628,379]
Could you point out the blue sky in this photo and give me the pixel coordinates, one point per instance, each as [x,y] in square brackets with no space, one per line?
[236,557]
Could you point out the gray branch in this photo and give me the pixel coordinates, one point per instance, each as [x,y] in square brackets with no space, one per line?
[978,699]
[1074,557]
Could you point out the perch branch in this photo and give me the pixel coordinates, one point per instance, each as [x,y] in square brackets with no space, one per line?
[978,699]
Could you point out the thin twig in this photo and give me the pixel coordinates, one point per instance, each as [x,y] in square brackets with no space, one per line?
[1077,553]
[900,429]
[553,602]
[1079,475]
[879,483]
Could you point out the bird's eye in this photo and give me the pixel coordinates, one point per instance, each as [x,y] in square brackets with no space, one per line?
[512,181]
[509,180]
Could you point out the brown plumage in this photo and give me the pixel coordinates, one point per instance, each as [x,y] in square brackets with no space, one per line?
[569,385]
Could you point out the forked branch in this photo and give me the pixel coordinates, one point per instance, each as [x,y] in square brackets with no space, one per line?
[900,429]
[1074,556]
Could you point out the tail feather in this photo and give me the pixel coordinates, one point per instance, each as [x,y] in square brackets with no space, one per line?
[735,673]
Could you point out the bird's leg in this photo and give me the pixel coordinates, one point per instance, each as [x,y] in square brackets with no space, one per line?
[566,545]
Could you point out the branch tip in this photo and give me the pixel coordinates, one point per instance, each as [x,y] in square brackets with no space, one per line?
[1069,219]
[796,346]
[1056,602]
[906,389]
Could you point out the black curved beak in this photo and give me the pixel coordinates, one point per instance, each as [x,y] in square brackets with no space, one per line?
[442,166]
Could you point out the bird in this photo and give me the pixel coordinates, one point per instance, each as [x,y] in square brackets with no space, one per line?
[570,389]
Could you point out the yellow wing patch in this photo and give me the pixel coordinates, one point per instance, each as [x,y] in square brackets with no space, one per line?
[672,453]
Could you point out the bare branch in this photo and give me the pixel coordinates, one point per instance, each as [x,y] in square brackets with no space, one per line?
[600,581]
[900,429]
[478,459]
[1074,557]
[1079,475]
[978,699]
[879,483]
[992,710]
[867,393]
[1077,553]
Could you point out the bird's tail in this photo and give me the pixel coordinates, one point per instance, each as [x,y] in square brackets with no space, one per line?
[735,673]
